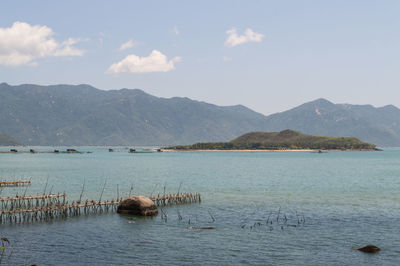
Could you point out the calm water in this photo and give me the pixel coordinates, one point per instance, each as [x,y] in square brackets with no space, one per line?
[342,199]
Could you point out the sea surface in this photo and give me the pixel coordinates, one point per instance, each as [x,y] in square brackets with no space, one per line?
[267,208]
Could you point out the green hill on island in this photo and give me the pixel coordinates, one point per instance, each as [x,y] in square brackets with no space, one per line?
[6,140]
[284,140]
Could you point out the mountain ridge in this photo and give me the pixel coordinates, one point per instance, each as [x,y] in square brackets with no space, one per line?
[83,115]
[379,125]
[6,140]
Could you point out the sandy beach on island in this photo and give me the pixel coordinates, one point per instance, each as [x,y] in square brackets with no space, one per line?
[168,150]
[288,150]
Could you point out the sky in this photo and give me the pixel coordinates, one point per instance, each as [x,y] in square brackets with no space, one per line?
[267,55]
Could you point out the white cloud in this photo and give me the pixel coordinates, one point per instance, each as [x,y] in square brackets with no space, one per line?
[249,36]
[22,43]
[155,62]
[175,30]
[127,45]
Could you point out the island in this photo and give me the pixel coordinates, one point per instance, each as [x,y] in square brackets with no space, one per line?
[283,140]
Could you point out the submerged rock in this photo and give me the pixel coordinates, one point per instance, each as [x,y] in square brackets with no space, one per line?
[201,228]
[369,249]
[138,205]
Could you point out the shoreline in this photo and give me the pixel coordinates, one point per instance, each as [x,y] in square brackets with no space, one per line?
[263,150]
[192,150]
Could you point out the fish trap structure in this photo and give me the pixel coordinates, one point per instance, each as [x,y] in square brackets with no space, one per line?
[15,183]
[176,199]
[49,213]
[32,201]
[47,207]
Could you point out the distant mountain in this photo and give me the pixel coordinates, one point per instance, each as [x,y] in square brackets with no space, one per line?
[380,126]
[84,115]
[284,140]
[6,140]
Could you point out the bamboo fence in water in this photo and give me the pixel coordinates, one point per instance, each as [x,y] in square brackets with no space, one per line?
[46,207]
[31,201]
[175,199]
[14,183]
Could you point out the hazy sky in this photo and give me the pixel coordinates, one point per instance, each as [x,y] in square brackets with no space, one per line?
[266,55]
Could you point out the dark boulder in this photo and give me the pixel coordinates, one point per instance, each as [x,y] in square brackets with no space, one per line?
[369,249]
[138,205]
[201,228]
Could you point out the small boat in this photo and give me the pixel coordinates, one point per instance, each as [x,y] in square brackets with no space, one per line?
[319,151]
[144,150]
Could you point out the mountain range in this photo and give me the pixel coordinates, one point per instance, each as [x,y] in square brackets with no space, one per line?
[84,115]
[6,140]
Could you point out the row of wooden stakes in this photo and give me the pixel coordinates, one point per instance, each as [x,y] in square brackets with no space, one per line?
[35,201]
[58,211]
[174,199]
[15,183]
[46,207]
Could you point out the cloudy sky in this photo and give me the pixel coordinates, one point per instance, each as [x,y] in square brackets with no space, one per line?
[267,55]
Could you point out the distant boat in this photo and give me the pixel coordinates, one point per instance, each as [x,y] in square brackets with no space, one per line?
[319,151]
[144,150]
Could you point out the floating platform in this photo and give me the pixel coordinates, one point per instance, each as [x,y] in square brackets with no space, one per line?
[71,151]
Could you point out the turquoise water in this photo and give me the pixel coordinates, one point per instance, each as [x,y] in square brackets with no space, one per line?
[343,200]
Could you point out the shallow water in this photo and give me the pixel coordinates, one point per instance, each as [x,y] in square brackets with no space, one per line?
[343,200]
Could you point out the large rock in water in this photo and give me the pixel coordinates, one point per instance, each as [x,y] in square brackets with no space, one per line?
[138,205]
[369,249]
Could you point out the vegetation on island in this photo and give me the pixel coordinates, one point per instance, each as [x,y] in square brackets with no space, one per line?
[6,140]
[284,140]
